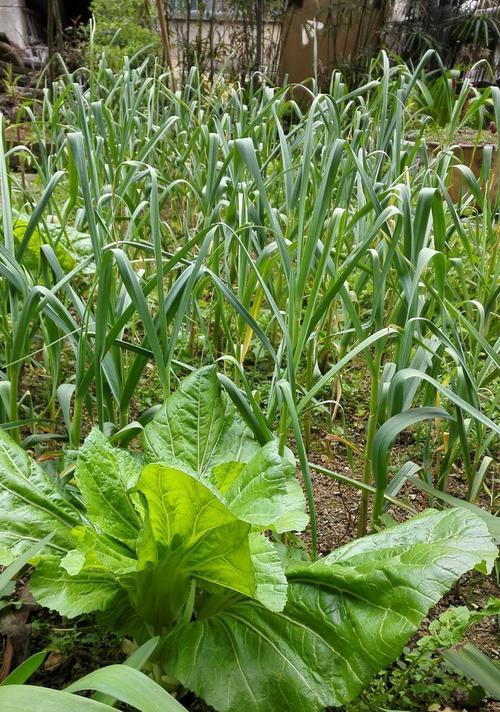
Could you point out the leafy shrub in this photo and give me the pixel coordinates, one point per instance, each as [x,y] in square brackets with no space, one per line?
[423,676]
[172,542]
[123,28]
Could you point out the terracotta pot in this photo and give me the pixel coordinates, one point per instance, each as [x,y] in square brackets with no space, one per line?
[470,155]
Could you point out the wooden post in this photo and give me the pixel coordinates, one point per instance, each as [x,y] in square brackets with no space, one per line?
[164,40]
[50,38]
[259,26]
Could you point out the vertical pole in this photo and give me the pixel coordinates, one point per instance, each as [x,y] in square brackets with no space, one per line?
[164,39]
[187,53]
[259,22]
[50,37]
[211,39]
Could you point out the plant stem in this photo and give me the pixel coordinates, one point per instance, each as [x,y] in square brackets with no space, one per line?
[370,434]
[283,427]
[165,40]
[309,384]
[76,425]
[13,409]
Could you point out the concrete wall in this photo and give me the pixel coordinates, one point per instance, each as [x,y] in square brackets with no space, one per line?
[228,41]
[13,23]
[24,32]
[344,31]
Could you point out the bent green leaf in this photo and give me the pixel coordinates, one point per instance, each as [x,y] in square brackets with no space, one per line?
[189,523]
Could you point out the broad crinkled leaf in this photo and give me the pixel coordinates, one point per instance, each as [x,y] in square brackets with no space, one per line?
[31,257]
[257,495]
[104,474]
[197,428]
[200,433]
[98,551]
[429,529]
[72,596]
[194,533]
[346,618]
[222,476]
[270,580]
[236,441]
[294,516]
[264,492]
[30,505]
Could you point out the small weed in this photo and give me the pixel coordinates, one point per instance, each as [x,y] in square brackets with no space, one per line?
[422,679]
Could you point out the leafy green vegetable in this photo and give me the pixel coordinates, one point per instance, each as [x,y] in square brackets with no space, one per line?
[18,564]
[187,548]
[104,476]
[259,491]
[189,534]
[148,535]
[198,429]
[270,581]
[346,617]
[31,257]
[31,506]
[86,592]
[200,433]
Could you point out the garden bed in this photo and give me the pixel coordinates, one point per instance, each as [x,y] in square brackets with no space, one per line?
[237,336]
